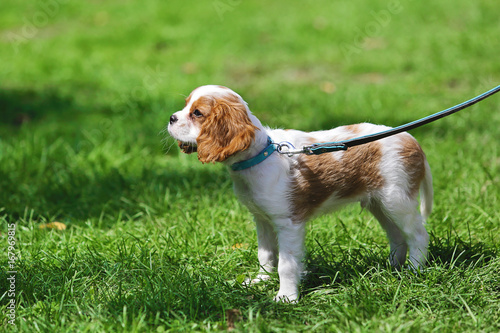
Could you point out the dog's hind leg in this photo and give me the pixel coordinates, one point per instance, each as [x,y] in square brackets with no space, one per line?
[417,239]
[405,229]
[399,248]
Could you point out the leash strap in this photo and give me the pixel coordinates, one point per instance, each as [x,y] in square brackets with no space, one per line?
[287,148]
[321,148]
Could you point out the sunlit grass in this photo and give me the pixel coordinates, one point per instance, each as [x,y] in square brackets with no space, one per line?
[156,241]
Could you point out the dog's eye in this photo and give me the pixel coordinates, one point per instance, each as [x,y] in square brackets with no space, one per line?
[197,113]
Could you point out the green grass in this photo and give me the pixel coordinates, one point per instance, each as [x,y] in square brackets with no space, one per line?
[156,241]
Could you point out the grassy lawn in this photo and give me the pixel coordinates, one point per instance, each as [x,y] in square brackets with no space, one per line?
[156,241]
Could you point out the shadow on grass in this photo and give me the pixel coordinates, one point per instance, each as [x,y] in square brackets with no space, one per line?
[110,196]
[326,267]
[452,251]
[60,165]
[23,106]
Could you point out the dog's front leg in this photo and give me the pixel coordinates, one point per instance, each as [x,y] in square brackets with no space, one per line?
[267,250]
[291,252]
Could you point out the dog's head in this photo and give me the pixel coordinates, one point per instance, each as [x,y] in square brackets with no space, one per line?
[215,122]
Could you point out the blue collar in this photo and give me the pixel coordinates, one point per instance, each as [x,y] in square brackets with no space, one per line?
[260,157]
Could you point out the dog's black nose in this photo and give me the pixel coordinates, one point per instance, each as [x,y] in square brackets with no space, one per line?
[173,119]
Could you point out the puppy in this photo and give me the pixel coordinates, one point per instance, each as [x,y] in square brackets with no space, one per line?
[283,192]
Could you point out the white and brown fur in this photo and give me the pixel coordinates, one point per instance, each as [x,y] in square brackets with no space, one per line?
[284,192]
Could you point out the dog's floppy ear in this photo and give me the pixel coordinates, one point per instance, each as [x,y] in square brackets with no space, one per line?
[226,131]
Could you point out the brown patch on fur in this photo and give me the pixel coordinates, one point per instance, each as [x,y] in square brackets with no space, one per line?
[226,130]
[204,104]
[320,176]
[413,159]
[353,128]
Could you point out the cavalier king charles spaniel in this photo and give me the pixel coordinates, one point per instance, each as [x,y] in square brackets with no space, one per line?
[283,191]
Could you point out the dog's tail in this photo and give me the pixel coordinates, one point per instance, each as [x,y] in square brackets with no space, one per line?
[426,192]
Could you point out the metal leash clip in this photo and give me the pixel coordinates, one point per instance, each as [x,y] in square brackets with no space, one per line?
[286,148]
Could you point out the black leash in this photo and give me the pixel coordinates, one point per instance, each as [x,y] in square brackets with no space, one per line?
[321,148]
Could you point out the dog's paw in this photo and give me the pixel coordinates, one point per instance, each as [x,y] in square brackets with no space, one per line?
[287,297]
[258,279]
